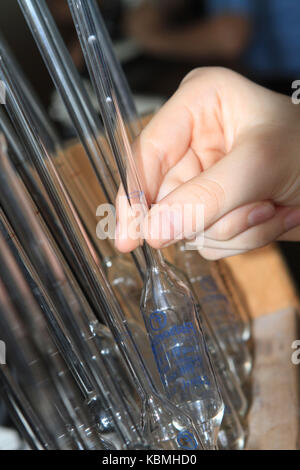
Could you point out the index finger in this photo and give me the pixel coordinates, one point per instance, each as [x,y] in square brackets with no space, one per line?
[163,142]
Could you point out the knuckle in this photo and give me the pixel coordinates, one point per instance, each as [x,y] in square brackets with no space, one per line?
[193,74]
[200,73]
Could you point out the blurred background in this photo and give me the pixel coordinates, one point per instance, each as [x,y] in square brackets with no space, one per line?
[160,41]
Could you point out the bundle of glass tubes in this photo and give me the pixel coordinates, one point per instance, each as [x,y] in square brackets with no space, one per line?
[103,351]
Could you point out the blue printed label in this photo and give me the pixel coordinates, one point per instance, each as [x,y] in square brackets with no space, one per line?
[186,440]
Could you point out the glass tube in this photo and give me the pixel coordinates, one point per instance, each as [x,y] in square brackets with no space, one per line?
[158,413]
[231,428]
[133,123]
[26,360]
[127,289]
[171,304]
[19,154]
[75,98]
[35,316]
[225,325]
[235,298]
[93,375]
[98,337]
[21,412]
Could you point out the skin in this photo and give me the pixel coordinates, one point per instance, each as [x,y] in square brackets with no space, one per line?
[231,145]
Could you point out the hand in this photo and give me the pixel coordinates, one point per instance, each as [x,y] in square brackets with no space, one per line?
[231,145]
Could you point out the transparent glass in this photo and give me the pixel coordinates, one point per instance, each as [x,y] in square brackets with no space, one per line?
[225,324]
[120,148]
[36,367]
[127,287]
[231,435]
[225,375]
[48,265]
[133,124]
[131,277]
[154,298]
[179,350]
[72,91]
[234,296]
[92,376]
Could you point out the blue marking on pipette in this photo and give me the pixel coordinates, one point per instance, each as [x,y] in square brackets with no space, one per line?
[186,440]
[136,195]
[158,320]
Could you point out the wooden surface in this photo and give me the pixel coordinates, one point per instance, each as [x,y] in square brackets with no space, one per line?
[264,279]
[273,304]
[274,415]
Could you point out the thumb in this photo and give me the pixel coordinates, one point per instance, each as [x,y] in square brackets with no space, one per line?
[240,178]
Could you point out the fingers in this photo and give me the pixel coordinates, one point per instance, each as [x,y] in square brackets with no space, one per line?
[192,118]
[205,154]
[255,237]
[162,144]
[187,168]
[292,225]
[125,240]
[239,220]
[216,192]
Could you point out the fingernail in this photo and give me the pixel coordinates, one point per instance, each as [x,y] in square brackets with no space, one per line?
[292,220]
[261,214]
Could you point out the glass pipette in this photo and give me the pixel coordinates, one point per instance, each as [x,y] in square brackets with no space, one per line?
[133,123]
[218,310]
[33,309]
[231,430]
[20,156]
[231,434]
[159,412]
[128,289]
[74,96]
[26,363]
[167,304]
[101,337]
[24,417]
[234,295]
[93,375]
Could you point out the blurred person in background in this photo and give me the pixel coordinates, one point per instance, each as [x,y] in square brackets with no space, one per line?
[262,38]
